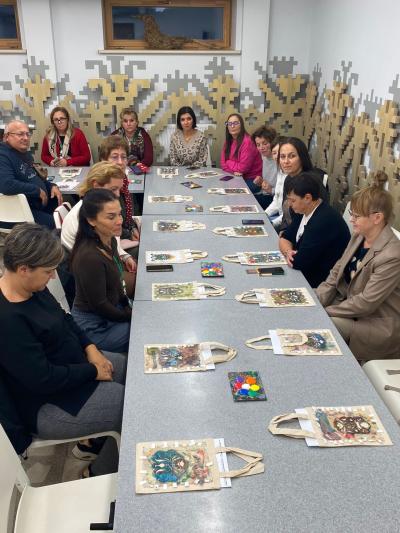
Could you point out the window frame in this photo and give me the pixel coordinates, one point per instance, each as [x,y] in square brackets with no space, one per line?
[129,44]
[12,44]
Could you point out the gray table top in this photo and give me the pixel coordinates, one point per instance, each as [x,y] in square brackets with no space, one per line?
[133,187]
[55,172]
[302,489]
[158,186]
[236,279]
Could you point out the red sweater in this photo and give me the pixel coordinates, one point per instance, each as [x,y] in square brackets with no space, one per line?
[248,161]
[78,154]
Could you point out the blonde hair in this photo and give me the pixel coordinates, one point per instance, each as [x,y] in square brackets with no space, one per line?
[102,173]
[128,111]
[374,199]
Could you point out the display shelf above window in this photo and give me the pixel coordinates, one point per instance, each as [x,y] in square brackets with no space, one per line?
[10,35]
[167,25]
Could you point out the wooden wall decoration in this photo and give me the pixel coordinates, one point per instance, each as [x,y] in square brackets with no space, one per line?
[347,145]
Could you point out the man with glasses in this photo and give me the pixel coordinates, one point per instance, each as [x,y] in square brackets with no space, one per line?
[18,175]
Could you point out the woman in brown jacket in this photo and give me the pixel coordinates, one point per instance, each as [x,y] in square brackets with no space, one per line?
[362,291]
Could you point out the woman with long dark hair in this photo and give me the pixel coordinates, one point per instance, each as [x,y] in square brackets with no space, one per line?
[293,159]
[64,145]
[239,154]
[101,306]
[188,145]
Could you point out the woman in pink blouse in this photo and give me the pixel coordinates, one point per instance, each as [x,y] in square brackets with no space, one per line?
[239,154]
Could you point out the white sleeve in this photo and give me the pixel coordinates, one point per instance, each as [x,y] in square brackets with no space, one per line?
[69,227]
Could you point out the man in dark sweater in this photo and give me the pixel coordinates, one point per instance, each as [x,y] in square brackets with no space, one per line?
[19,176]
[317,236]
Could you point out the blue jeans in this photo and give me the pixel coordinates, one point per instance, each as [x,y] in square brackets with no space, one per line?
[105,334]
[263,199]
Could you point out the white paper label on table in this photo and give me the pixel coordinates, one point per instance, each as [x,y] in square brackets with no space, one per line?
[222,461]
[306,425]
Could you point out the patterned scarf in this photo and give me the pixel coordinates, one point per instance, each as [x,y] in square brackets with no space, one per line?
[54,140]
[136,145]
[128,200]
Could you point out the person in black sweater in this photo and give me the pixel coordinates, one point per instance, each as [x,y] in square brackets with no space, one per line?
[317,235]
[61,384]
[101,307]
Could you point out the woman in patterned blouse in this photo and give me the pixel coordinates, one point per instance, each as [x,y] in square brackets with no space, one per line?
[188,145]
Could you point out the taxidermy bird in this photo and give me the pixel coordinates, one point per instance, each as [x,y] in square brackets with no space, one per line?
[157,40]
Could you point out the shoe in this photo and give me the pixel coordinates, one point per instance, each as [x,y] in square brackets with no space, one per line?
[88,453]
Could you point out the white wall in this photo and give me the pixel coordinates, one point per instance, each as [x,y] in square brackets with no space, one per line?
[290,32]
[364,33]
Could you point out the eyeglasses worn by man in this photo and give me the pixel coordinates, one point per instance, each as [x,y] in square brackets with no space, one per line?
[19,176]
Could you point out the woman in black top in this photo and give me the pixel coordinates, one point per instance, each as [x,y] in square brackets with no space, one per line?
[59,381]
[101,307]
[294,158]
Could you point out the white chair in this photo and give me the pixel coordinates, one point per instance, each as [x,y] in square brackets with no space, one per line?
[209,162]
[384,382]
[346,216]
[13,210]
[60,213]
[396,232]
[62,508]
[91,155]
[57,290]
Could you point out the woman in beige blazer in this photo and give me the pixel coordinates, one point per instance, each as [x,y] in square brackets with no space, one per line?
[362,291]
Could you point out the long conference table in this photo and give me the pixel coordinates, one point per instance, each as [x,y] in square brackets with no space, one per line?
[302,489]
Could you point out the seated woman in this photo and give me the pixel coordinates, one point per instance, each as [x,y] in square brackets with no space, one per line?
[274,210]
[101,176]
[114,149]
[362,291]
[140,147]
[101,307]
[64,145]
[317,235]
[188,146]
[239,155]
[61,384]
[263,138]
[293,159]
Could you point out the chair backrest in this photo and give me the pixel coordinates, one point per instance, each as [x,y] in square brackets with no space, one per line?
[209,162]
[14,209]
[346,216]
[56,289]
[12,475]
[60,213]
[396,232]
[91,155]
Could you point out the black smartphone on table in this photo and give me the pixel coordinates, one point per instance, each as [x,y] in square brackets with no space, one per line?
[270,271]
[226,178]
[251,222]
[159,268]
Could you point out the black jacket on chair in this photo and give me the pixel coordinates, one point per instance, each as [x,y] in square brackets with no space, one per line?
[323,242]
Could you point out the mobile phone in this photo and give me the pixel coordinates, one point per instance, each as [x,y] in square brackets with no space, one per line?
[159,268]
[226,178]
[251,221]
[191,185]
[270,271]
[51,178]
[192,167]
